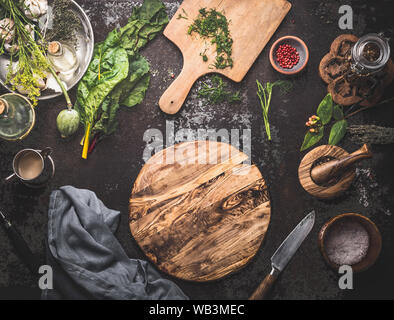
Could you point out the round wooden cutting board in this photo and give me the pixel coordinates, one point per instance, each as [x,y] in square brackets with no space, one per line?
[198,212]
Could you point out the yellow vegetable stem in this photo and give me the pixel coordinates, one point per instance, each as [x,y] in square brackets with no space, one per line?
[86,143]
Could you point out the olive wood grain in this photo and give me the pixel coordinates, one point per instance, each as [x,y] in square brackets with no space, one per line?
[321,191]
[330,170]
[198,212]
[252,24]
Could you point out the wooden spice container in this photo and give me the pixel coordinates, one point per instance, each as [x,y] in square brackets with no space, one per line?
[375,240]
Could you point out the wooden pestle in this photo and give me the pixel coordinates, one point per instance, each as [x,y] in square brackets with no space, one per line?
[325,172]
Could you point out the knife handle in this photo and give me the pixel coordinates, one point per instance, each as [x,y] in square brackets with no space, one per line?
[21,247]
[265,286]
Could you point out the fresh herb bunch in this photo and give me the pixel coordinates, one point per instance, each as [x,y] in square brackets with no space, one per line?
[217,93]
[32,62]
[264,92]
[211,24]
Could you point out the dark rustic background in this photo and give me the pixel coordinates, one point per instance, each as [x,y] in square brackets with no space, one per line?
[114,165]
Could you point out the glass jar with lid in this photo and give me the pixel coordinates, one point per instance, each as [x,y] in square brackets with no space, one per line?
[370,54]
[17,117]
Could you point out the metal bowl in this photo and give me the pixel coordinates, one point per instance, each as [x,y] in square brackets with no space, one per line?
[85,47]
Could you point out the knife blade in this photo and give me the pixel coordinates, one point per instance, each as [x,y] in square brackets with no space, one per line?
[284,253]
[289,247]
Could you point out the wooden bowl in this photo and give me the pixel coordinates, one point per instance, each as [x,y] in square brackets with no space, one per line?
[302,49]
[375,241]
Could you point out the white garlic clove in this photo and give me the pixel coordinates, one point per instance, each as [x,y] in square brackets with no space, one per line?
[30,29]
[35,8]
[42,85]
[11,48]
[7,31]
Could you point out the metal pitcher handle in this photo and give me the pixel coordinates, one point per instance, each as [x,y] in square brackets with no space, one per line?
[10,178]
[45,153]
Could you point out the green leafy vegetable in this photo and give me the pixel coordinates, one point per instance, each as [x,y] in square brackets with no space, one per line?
[217,93]
[312,138]
[118,74]
[325,109]
[264,92]
[338,131]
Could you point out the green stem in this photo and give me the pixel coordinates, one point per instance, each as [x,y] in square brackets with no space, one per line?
[60,82]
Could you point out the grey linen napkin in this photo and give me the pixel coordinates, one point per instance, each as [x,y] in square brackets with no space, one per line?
[88,261]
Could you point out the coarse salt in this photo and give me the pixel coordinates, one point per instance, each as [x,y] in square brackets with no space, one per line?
[347,242]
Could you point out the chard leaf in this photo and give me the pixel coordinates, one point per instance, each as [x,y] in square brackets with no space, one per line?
[92,90]
[137,95]
[117,74]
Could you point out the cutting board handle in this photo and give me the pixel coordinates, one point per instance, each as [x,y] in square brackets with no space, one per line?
[174,97]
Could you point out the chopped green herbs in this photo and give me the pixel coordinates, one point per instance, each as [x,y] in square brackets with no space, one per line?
[217,93]
[213,25]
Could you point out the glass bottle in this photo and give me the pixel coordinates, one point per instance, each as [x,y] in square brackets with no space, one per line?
[63,58]
[17,117]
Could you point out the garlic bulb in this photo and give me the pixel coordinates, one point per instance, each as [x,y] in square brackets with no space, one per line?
[7,31]
[41,84]
[35,8]
[13,48]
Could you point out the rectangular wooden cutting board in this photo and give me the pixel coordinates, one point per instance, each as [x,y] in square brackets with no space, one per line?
[252,24]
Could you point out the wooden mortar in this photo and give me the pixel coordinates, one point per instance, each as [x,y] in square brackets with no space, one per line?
[330,179]
[326,173]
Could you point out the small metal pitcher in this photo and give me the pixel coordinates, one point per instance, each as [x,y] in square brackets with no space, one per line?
[42,177]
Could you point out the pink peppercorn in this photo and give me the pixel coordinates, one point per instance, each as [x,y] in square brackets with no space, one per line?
[287,56]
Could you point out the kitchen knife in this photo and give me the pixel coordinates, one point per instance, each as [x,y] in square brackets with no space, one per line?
[285,252]
[20,245]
